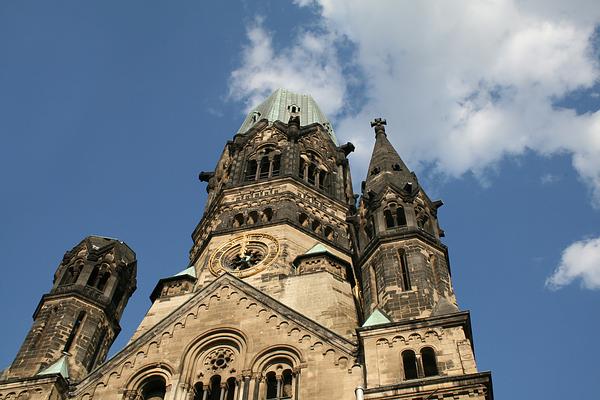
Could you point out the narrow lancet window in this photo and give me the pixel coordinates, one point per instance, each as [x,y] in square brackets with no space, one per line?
[74,331]
[404,272]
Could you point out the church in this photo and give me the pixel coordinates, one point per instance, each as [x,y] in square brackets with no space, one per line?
[296,288]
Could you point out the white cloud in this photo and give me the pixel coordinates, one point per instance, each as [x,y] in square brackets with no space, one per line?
[462,84]
[548,179]
[308,65]
[581,260]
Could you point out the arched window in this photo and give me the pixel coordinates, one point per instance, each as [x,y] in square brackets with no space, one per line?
[276,169]
[71,274]
[400,216]
[265,164]
[323,180]
[312,170]
[409,362]
[98,279]
[279,385]
[264,167]
[423,219]
[215,388]
[153,388]
[271,382]
[251,168]
[231,389]
[316,226]
[394,216]
[329,233]
[252,217]
[389,219]
[303,219]
[279,379]
[102,280]
[199,391]
[302,169]
[238,220]
[429,361]
[93,277]
[267,214]
[287,390]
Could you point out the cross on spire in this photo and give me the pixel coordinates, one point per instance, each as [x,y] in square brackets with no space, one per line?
[379,125]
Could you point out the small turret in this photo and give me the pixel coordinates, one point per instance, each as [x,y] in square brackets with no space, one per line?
[404,265]
[77,321]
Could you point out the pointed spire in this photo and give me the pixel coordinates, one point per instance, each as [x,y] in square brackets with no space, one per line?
[386,166]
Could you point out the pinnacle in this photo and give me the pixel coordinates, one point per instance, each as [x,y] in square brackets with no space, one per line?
[386,167]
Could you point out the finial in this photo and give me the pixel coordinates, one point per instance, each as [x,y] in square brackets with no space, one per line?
[379,125]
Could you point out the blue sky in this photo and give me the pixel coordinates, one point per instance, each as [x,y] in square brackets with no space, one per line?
[108,111]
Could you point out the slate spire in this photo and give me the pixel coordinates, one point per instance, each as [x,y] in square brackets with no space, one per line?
[386,168]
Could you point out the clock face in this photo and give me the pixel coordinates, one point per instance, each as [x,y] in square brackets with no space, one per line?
[245,255]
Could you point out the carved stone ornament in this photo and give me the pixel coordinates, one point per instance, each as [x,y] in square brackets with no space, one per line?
[219,359]
[245,255]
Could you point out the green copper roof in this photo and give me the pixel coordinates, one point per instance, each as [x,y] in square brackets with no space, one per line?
[277,108]
[59,367]
[316,249]
[191,271]
[376,318]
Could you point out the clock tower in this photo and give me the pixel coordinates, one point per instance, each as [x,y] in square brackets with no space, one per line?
[282,188]
[293,290]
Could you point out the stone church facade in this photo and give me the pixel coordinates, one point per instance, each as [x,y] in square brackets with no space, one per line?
[296,287]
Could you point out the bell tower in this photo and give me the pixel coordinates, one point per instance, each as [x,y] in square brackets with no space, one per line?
[292,290]
[403,263]
[414,337]
[279,198]
[77,321]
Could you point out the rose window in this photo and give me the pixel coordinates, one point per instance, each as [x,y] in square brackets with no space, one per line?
[219,359]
